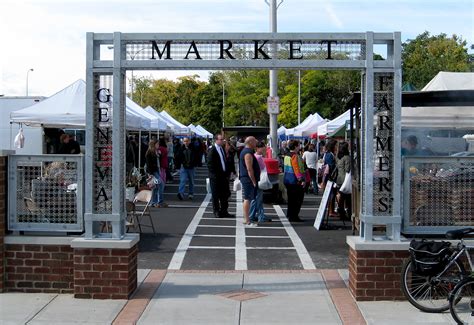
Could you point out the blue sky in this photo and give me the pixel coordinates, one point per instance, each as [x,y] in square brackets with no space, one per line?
[49,35]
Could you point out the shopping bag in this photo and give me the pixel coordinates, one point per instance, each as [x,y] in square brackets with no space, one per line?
[346,187]
[208,185]
[237,185]
[264,182]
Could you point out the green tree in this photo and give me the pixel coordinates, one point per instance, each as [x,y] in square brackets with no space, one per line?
[427,55]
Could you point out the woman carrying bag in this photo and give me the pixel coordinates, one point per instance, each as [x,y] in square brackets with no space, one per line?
[294,180]
[343,197]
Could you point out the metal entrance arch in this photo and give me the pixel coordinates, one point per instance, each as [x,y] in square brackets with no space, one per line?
[105,104]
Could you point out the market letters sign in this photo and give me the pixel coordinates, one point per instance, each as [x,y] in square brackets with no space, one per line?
[294,48]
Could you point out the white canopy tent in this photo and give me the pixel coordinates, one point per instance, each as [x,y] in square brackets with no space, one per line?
[281,130]
[334,124]
[291,132]
[179,127]
[446,117]
[162,121]
[310,127]
[196,131]
[206,132]
[67,108]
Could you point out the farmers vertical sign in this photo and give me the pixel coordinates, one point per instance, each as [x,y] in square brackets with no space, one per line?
[383,141]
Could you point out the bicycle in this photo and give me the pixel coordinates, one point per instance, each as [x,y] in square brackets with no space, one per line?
[431,274]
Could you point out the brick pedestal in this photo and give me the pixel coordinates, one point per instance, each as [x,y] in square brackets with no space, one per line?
[108,272]
[39,268]
[375,269]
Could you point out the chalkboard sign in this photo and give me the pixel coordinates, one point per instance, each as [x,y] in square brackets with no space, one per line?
[322,207]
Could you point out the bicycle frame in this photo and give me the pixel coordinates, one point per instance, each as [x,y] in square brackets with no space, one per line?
[463,250]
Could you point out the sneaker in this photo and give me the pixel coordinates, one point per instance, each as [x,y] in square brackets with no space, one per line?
[190,196]
[162,205]
[180,196]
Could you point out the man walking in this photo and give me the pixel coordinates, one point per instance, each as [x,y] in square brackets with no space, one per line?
[219,178]
[186,161]
[249,173]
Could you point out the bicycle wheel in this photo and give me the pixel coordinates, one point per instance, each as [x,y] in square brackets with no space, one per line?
[461,302]
[427,293]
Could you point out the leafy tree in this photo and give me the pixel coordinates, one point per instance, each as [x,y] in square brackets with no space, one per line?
[427,55]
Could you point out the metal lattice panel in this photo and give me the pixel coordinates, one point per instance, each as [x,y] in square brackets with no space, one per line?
[47,194]
[438,193]
[384,126]
[210,50]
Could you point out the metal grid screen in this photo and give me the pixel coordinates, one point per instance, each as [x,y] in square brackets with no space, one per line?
[438,194]
[211,50]
[45,193]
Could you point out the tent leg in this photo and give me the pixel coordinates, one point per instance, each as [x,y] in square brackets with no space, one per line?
[139,149]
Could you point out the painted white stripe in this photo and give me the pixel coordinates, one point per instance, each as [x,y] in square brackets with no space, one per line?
[303,254]
[240,250]
[183,246]
[279,237]
[183,206]
[270,248]
[215,226]
[214,236]
[315,209]
[216,218]
[211,247]
[262,227]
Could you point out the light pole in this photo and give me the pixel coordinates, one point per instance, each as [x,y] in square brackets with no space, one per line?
[299,97]
[223,102]
[273,76]
[27,75]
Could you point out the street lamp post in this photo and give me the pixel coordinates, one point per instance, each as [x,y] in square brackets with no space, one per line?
[27,75]
[299,97]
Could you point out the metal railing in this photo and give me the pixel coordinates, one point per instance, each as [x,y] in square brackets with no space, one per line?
[45,193]
[438,194]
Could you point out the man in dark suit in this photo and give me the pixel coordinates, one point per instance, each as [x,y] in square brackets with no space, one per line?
[219,178]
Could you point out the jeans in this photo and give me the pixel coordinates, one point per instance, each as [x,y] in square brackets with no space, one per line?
[314,180]
[157,192]
[256,208]
[186,175]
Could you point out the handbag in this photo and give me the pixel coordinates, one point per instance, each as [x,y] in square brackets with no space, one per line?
[208,185]
[152,182]
[237,185]
[346,187]
[264,182]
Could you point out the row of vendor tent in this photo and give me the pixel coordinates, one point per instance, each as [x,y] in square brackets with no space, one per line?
[67,109]
[315,124]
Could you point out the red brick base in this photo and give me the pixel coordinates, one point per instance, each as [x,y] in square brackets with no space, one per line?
[375,275]
[39,268]
[105,273]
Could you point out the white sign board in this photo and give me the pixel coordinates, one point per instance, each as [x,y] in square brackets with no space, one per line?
[273,105]
[322,206]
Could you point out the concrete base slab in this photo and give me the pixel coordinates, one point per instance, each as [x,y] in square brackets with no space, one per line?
[65,309]
[396,313]
[19,308]
[290,299]
[191,299]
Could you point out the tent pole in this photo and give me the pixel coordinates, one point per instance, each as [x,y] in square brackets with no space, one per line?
[139,149]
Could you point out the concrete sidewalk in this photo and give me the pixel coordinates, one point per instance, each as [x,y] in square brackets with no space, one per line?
[219,297]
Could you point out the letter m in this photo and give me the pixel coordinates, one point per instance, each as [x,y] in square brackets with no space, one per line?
[382,144]
[166,47]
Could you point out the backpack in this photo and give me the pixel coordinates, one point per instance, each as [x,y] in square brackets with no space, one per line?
[429,257]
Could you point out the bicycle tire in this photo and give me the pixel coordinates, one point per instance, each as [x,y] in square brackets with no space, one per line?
[461,302]
[436,294]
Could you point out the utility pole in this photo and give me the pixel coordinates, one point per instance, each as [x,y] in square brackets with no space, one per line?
[299,97]
[273,76]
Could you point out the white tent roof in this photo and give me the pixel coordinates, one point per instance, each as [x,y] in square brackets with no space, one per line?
[281,130]
[291,131]
[310,127]
[162,121]
[451,81]
[206,132]
[334,124]
[447,117]
[196,131]
[156,123]
[179,127]
[66,108]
